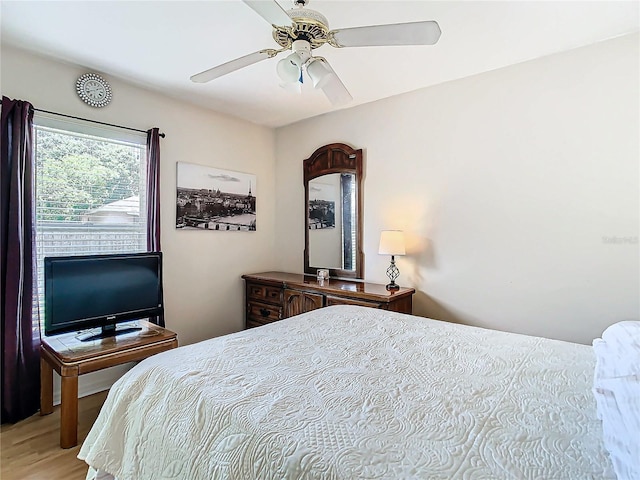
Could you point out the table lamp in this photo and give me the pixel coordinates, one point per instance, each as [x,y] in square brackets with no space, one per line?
[392,243]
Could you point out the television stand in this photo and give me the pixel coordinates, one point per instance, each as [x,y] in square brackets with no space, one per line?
[71,357]
[109,331]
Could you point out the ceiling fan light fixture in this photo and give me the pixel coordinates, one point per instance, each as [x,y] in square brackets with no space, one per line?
[288,69]
[318,72]
[303,30]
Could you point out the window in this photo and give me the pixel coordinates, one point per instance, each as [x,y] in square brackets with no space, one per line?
[90,192]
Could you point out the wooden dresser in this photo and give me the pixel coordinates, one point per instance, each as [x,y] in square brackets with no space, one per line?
[272,296]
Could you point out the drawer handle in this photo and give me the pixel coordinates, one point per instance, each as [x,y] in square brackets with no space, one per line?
[264,312]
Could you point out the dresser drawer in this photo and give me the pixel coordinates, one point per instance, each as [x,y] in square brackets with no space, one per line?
[262,313]
[348,301]
[264,293]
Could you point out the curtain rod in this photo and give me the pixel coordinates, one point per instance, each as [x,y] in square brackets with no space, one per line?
[95,121]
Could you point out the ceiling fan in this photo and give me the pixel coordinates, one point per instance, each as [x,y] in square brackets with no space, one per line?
[302,30]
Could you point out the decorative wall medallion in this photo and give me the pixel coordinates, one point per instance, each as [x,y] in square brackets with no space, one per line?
[94,90]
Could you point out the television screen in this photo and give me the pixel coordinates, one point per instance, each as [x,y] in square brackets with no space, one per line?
[84,292]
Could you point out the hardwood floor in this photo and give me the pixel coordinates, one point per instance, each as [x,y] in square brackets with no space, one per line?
[30,449]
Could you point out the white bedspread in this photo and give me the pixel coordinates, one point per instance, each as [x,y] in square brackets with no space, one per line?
[355,393]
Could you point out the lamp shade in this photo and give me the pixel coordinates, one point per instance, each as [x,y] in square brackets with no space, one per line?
[391,242]
[289,68]
[318,73]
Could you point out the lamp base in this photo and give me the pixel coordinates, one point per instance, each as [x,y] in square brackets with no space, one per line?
[393,286]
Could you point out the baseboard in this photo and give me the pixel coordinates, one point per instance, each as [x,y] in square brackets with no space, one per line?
[93,382]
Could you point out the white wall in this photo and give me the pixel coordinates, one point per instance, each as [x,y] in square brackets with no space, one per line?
[204,294]
[510,186]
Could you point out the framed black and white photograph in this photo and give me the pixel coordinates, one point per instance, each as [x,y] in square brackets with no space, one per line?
[322,206]
[211,198]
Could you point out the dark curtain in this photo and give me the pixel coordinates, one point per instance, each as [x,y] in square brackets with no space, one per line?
[153,195]
[20,334]
[153,190]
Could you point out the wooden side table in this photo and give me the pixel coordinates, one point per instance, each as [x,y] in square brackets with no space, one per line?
[70,357]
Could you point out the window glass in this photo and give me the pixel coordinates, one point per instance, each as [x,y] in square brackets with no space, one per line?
[89,194]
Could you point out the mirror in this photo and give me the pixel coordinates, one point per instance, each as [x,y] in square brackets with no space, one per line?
[333,201]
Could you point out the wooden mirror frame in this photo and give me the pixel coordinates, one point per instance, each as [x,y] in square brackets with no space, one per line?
[335,158]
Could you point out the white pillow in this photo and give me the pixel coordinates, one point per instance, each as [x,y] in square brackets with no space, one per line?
[623,335]
[616,387]
[614,360]
[618,404]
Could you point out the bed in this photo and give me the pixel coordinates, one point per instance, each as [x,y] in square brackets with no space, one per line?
[348,392]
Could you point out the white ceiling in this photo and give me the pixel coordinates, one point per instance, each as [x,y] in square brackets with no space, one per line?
[160,44]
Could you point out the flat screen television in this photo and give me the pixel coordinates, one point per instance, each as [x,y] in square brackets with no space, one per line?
[90,291]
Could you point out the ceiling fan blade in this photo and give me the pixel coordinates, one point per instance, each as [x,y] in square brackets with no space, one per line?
[232,66]
[334,89]
[270,10]
[413,33]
